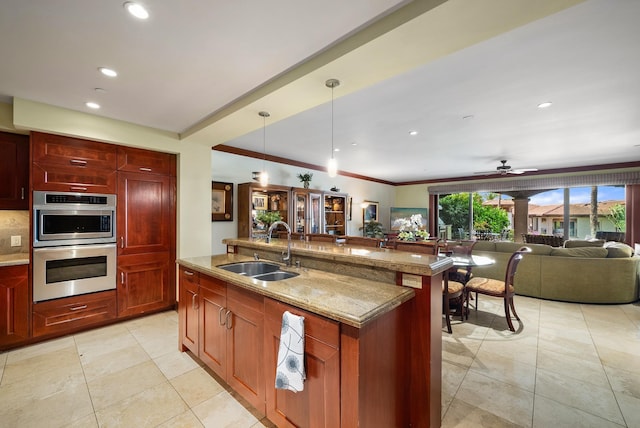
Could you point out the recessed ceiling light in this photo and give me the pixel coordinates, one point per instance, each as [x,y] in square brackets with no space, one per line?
[136,9]
[354,144]
[336,149]
[108,71]
[545,104]
[100,90]
[413,132]
[92,105]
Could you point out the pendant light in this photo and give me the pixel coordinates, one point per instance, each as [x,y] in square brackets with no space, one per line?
[332,167]
[264,176]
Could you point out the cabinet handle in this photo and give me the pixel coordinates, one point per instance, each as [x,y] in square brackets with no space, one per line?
[220,320]
[78,189]
[193,302]
[186,272]
[78,162]
[122,278]
[77,308]
[143,169]
[228,320]
[23,193]
[122,242]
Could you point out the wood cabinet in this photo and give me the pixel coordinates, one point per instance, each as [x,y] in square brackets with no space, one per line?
[224,326]
[146,229]
[14,304]
[254,199]
[318,405]
[335,209]
[73,313]
[72,164]
[306,211]
[14,171]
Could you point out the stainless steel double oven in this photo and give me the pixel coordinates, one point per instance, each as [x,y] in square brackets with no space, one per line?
[74,244]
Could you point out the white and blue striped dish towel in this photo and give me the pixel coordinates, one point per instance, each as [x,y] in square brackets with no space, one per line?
[290,372]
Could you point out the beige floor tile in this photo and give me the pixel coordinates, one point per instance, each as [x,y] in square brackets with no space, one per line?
[113,387]
[464,415]
[176,363]
[548,413]
[630,407]
[505,369]
[624,381]
[619,359]
[113,361]
[59,409]
[88,421]
[452,376]
[505,401]
[106,341]
[148,408]
[581,395]
[571,342]
[196,386]
[42,348]
[518,347]
[3,360]
[157,343]
[460,353]
[183,420]
[42,368]
[223,411]
[574,367]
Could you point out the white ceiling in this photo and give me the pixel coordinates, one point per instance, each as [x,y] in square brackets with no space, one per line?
[204,70]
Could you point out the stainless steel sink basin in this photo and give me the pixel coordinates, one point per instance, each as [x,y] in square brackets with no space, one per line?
[275,276]
[250,268]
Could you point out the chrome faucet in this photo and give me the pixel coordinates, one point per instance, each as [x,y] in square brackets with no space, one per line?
[286,258]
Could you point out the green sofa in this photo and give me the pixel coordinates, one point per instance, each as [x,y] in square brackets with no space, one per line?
[583,272]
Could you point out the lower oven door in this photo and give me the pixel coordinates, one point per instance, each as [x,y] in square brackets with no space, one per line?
[73,270]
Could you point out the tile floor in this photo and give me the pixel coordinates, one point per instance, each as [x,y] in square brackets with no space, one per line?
[569,365]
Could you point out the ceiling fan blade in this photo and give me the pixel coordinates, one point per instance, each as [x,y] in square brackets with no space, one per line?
[522,170]
[486,172]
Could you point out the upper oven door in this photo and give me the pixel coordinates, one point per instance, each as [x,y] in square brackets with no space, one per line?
[68,227]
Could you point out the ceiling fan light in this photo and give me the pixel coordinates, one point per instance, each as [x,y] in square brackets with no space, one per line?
[332,167]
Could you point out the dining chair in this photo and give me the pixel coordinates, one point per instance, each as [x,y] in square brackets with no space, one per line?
[496,288]
[422,247]
[362,241]
[322,237]
[461,248]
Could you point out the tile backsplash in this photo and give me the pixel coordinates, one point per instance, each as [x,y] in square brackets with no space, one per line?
[14,223]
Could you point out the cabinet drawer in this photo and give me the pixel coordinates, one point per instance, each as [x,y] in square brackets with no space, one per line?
[214,285]
[73,179]
[73,313]
[322,329]
[139,160]
[72,152]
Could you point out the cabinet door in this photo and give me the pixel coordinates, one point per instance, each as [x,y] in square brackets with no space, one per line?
[139,160]
[78,179]
[14,171]
[146,213]
[14,304]
[72,152]
[245,339]
[188,318]
[213,318]
[318,405]
[144,284]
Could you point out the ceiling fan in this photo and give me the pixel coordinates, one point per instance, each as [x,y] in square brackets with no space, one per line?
[505,169]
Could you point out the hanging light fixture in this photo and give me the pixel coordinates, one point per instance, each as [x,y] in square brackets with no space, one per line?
[332,167]
[264,176]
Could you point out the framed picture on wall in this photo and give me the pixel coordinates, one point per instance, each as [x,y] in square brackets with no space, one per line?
[260,202]
[400,215]
[221,201]
[370,211]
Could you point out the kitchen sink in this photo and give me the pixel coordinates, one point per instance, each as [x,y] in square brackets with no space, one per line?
[275,276]
[250,268]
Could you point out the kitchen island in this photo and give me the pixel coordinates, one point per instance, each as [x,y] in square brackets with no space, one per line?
[373,348]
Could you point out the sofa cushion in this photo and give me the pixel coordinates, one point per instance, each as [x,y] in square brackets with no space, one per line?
[590,252]
[484,246]
[618,250]
[575,243]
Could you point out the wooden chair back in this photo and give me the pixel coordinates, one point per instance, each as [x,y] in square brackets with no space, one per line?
[362,241]
[321,237]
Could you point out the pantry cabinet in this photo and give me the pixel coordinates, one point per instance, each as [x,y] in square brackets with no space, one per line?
[14,171]
[14,304]
[146,231]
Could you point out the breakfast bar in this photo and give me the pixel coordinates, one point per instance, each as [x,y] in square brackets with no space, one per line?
[372,330]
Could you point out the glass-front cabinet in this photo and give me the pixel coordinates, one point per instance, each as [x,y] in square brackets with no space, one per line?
[307,211]
[335,209]
[258,207]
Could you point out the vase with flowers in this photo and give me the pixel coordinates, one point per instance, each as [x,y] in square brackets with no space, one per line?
[305,179]
[412,229]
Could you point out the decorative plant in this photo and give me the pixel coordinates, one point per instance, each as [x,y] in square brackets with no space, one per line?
[268,217]
[305,178]
[411,228]
[373,229]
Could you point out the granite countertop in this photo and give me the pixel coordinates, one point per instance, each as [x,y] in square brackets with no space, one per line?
[14,259]
[345,299]
[418,264]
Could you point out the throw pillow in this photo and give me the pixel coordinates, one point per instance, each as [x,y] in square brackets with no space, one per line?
[589,252]
[618,250]
[576,243]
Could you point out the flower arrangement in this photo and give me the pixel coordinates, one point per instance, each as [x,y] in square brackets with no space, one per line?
[411,228]
[268,217]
